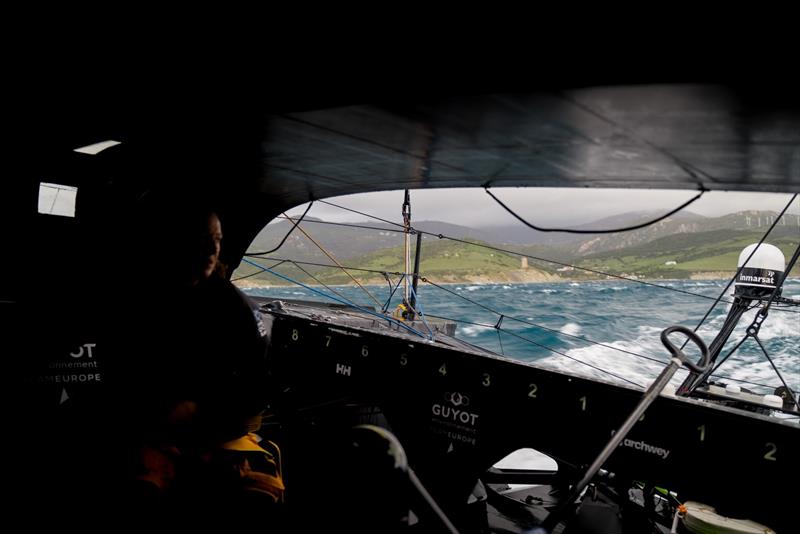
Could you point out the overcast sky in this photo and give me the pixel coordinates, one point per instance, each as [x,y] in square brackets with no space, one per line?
[541,206]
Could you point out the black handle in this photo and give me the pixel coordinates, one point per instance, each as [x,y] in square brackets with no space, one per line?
[677,353]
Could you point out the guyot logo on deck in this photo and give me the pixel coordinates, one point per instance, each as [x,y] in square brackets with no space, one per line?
[453,410]
[87,347]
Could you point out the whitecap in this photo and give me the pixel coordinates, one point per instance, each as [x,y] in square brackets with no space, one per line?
[571,329]
[471,330]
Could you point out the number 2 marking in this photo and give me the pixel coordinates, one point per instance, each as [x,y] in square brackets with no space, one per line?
[771,452]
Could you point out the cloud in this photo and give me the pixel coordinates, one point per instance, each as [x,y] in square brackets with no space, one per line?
[545,206]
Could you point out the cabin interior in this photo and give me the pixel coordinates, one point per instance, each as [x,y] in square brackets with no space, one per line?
[271,148]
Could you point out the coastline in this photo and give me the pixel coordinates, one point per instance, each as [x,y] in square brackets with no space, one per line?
[485,280]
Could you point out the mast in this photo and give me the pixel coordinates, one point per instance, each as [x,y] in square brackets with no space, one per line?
[413,301]
[407,245]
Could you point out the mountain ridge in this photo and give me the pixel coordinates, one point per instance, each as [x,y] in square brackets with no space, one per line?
[714,243]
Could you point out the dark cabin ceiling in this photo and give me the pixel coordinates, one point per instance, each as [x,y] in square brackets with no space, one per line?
[266,152]
[675,137]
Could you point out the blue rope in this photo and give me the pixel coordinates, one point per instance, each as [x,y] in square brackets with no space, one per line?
[421,312]
[389,300]
[341,301]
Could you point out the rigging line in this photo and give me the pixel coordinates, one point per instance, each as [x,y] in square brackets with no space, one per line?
[396,273]
[500,340]
[784,276]
[284,237]
[608,231]
[420,312]
[594,271]
[755,326]
[441,236]
[350,225]
[261,270]
[489,326]
[731,352]
[734,349]
[739,270]
[642,282]
[317,280]
[743,381]
[389,300]
[359,308]
[572,358]
[362,213]
[520,254]
[330,256]
[507,251]
[535,325]
[686,167]
[388,281]
[777,372]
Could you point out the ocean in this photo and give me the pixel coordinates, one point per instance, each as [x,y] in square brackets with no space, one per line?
[562,324]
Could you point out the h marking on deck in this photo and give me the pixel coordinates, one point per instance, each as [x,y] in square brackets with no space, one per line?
[342,369]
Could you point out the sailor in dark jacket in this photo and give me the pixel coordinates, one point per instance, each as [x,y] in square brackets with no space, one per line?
[196,379]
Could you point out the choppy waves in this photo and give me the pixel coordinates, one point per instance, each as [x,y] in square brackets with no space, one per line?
[625,317]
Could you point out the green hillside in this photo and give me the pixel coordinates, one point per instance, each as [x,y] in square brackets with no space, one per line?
[704,252]
[684,255]
[441,261]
